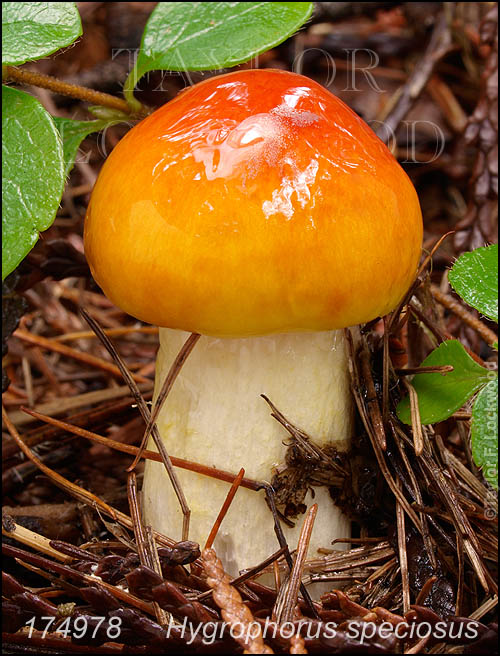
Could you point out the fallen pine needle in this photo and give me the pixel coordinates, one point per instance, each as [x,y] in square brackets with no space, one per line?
[290,599]
[225,508]
[80,356]
[219,474]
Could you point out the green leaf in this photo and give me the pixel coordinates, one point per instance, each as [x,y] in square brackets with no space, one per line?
[474,276]
[72,135]
[440,395]
[197,36]
[32,174]
[484,431]
[32,30]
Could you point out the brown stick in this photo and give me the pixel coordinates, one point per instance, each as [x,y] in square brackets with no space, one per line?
[418,436]
[110,332]
[290,600]
[467,317]
[74,490]
[144,410]
[219,474]
[23,76]
[141,541]
[174,371]
[403,554]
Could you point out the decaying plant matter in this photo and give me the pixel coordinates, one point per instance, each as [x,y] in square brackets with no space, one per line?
[481,221]
[439,541]
[424,546]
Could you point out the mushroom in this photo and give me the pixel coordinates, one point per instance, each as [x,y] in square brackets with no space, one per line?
[260,211]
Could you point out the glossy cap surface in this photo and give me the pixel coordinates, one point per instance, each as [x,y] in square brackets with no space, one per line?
[255,202]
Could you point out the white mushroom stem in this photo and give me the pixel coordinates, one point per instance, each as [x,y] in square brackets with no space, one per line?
[215,415]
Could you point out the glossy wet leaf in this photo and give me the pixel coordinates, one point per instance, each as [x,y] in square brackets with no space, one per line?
[484,431]
[199,36]
[474,276]
[440,395]
[32,30]
[32,174]
[72,135]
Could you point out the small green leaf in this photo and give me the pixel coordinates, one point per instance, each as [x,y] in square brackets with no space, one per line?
[32,30]
[32,174]
[474,276]
[440,395]
[484,431]
[197,36]
[73,133]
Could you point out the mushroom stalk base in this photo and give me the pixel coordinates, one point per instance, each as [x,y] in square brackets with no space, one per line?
[215,415]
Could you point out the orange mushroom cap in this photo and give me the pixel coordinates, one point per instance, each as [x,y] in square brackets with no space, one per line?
[253,203]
